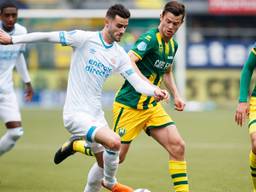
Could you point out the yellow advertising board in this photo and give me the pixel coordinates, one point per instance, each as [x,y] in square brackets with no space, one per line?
[218,85]
[202,85]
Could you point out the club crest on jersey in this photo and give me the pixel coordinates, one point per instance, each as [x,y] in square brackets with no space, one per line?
[142,46]
[121,132]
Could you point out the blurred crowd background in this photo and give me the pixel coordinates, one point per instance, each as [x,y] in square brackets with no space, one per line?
[219,35]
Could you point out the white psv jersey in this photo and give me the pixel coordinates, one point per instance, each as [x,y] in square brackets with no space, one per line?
[93,61]
[9,55]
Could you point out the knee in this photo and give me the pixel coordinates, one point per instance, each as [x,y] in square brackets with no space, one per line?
[114,143]
[181,147]
[15,133]
[178,149]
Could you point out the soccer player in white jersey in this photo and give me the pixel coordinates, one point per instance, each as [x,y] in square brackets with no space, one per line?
[11,56]
[96,55]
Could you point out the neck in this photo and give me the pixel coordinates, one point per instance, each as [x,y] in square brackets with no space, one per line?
[106,36]
[7,29]
[166,39]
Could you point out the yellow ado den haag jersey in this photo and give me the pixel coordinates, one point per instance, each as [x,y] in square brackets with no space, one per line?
[155,56]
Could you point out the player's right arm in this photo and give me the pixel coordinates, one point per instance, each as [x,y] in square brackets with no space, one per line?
[22,69]
[245,79]
[72,38]
[5,38]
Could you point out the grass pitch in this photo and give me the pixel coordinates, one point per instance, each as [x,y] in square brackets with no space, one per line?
[217,156]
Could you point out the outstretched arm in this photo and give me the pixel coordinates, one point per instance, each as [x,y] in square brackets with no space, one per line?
[53,37]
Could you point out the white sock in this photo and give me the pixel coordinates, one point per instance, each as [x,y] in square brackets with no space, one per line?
[9,139]
[94,179]
[111,161]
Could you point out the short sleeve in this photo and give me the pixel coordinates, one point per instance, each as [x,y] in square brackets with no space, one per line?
[74,38]
[144,44]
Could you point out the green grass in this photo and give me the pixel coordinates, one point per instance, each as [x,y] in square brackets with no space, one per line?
[217,156]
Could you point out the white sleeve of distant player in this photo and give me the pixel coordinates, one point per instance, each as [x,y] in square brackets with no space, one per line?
[136,81]
[22,69]
[72,38]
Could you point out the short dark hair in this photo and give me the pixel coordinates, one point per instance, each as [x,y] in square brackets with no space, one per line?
[175,8]
[118,9]
[7,4]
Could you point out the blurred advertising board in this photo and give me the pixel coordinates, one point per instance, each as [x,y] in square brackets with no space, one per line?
[218,85]
[50,88]
[202,85]
[238,7]
[218,54]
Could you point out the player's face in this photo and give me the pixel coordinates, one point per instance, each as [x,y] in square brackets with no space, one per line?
[117,27]
[169,24]
[9,17]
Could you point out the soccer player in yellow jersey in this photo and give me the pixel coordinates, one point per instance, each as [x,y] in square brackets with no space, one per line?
[153,53]
[245,108]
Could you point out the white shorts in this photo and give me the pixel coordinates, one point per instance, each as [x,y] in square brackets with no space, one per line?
[82,124]
[9,108]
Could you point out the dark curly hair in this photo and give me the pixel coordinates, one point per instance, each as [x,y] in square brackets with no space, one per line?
[118,9]
[7,4]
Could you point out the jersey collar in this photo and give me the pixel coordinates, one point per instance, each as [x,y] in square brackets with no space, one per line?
[9,32]
[106,45]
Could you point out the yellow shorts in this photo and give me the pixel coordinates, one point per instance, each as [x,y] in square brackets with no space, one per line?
[252,115]
[129,122]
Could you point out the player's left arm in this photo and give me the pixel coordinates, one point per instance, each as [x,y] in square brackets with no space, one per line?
[22,69]
[134,59]
[142,86]
[170,84]
[132,74]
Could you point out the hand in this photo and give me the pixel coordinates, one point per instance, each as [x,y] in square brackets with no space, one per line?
[5,38]
[161,94]
[242,112]
[179,104]
[28,91]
